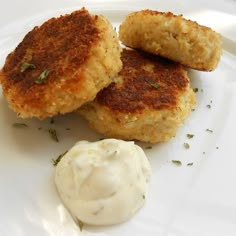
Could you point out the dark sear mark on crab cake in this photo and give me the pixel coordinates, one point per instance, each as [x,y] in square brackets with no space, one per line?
[60,65]
[150,99]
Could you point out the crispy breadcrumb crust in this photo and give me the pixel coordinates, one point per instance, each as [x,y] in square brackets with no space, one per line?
[149,101]
[173,37]
[82,54]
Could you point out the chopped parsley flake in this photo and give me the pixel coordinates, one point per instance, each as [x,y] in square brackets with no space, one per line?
[26,66]
[98,211]
[154,85]
[42,77]
[52,121]
[190,136]
[53,134]
[177,162]
[20,125]
[186,145]
[190,164]
[208,106]
[55,162]
[209,130]
[195,90]
[81,225]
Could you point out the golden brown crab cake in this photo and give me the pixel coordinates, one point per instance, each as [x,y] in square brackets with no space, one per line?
[60,65]
[148,102]
[173,37]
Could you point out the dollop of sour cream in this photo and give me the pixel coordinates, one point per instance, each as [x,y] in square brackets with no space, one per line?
[103,182]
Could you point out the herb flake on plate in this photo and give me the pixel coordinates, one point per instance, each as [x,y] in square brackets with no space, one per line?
[55,162]
[177,162]
[20,125]
[186,145]
[52,121]
[81,225]
[53,134]
[209,130]
[190,136]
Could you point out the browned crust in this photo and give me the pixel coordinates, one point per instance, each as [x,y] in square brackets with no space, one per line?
[60,45]
[133,92]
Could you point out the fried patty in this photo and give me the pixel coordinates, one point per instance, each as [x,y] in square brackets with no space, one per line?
[173,37]
[61,65]
[148,102]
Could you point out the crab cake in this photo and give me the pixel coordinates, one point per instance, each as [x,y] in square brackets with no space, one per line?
[60,65]
[148,102]
[173,37]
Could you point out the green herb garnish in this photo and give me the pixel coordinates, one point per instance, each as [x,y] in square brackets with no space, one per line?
[42,77]
[195,90]
[81,225]
[154,85]
[53,134]
[144,197]
[190,136]
[52,121]
[208,106]
[209,130]
[190,164]
[98,211]
[26,66]
[20,125]
[186,145]
[55,162]
[177,162]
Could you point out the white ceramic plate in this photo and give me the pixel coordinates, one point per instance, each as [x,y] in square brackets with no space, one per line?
[183,200]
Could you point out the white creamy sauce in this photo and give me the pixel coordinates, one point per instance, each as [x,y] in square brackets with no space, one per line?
[104,182]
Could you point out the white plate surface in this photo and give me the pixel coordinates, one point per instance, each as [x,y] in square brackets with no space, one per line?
[183,200]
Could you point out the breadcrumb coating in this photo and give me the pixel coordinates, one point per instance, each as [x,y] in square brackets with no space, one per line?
[173,37]
[71,59]
[150,99]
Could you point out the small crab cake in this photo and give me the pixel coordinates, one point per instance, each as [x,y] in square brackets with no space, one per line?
[148,102]
[60,65]
[173,37]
